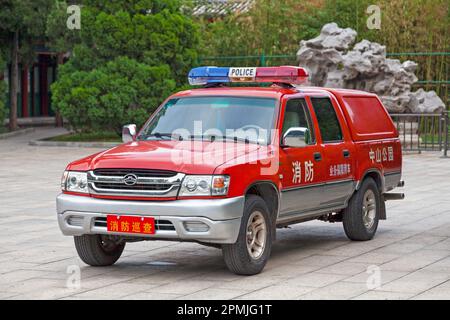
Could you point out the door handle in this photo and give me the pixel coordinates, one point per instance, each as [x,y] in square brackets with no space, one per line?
[346,153]
[317,156]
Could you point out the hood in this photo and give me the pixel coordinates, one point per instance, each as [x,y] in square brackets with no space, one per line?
[193,157]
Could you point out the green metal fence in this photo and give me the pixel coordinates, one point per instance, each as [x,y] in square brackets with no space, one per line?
[423,131]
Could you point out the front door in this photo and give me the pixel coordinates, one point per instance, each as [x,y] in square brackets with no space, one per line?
[301,167]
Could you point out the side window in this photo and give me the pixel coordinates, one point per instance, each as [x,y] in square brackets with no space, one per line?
[296,115]
[328,121]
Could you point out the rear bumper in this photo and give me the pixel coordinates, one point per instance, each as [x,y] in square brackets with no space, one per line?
[78,215]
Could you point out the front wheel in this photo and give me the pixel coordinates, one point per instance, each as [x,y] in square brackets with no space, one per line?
[250,253]
[361,217]
[98,250]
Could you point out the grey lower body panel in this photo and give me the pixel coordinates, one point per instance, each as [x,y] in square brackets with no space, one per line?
[337,193]
[77,215]
[306,198]
[313,201]
[391,180]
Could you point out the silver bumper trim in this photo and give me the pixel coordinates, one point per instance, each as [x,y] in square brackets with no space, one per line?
[223,216]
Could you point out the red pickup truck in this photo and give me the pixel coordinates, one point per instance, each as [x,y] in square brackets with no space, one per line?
[225,166]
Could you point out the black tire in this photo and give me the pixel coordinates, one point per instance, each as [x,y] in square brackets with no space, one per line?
[355,226]
[96,250]
[237,256]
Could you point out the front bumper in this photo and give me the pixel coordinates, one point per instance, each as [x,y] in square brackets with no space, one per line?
[78,215]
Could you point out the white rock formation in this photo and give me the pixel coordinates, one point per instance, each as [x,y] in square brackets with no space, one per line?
[332,62]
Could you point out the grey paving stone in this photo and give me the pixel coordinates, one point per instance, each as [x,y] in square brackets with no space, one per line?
[440,292]
[314,279]
[383,295]
[313,260]
[385,276]
[415,260]
[277,292]
[214,294]
[151,296]
[113,291]
[346,268]
[183,287]
[339,290]
[416,282]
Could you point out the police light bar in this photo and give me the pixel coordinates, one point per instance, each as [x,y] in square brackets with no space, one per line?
[214,75]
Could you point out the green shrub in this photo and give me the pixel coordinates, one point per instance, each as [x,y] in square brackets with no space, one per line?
[123,91]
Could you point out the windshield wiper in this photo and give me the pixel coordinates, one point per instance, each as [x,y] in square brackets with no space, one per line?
[160,135]
[237,139]
[213,138]
[210,138]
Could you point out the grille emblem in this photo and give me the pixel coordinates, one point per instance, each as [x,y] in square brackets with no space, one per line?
[130,179]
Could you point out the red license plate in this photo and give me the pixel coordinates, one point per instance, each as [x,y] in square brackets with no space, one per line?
[130,224]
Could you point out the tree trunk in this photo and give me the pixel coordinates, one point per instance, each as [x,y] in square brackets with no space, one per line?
[58,118]
[14,82]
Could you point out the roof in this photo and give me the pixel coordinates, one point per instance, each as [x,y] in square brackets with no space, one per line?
[269,92]
[236,91]
[221,7]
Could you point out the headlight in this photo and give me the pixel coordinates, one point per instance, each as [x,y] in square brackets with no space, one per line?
[205,186]
[74,181]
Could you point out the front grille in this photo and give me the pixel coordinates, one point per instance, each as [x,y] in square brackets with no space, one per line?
[112,186]
[159,224]
[148,173]
[146,183]
[100,222]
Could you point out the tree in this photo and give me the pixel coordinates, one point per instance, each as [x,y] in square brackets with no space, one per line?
[22,27]
[60,38]
[151,37]
[269,27]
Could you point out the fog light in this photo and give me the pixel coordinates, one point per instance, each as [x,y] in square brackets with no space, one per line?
[75,221]
[196,226]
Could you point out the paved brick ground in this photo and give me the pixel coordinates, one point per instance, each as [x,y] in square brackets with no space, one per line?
[313,260]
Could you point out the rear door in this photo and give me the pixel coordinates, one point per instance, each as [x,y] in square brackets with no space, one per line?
[338,152]
[301,168]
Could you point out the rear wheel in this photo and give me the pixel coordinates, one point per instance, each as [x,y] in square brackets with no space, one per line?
[98,250]
[361,217]
[250,253]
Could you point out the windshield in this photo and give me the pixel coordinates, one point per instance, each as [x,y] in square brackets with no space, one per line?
[245,119]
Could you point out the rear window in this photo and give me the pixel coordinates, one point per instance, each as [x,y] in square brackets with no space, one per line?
[328,121]
[368,118]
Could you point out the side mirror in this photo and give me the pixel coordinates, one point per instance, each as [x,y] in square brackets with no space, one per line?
[295,137]
[129,133]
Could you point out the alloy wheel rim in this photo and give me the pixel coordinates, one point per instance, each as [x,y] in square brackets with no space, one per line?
[369,209]
[256,234]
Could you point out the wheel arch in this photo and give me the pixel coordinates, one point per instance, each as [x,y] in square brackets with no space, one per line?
[376,175]
[269,192]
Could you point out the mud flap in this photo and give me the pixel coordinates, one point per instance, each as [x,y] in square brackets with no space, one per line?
[383,208]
